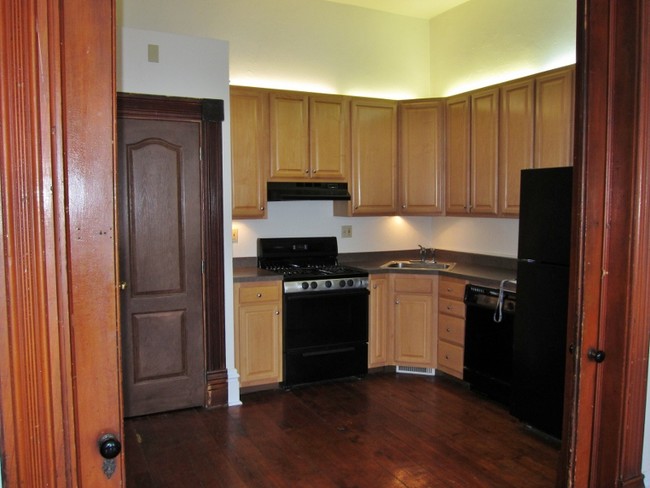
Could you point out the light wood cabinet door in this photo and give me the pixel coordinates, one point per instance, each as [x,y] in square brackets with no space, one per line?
[289,129]
[554,118]
[329,137]
[249,137]
[258,333]
[457,175]
[415,320]
[516,130]
[379,340]
[374,159]
[421,140]
[484,152]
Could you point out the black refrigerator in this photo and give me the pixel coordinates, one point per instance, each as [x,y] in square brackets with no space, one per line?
[539,339]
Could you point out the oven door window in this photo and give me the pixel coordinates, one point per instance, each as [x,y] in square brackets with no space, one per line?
[327,318]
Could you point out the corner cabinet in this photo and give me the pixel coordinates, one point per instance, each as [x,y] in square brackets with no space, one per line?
[421,157]
[373,159]
[379,333]
[415,307]
[451,326]
[258,333]
[249,129]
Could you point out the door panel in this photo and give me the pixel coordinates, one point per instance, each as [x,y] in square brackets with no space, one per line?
[160,252]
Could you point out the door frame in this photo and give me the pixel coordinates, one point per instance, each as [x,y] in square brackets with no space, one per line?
[210,115]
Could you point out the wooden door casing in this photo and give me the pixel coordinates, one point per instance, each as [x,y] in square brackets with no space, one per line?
[159,188]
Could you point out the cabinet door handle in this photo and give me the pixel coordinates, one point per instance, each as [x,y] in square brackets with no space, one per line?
[277,312]
[259,295]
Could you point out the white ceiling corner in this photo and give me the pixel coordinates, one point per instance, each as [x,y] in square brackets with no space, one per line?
[424,9]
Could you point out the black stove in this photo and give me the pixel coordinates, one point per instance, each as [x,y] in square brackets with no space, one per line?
[308,264]
[325,309]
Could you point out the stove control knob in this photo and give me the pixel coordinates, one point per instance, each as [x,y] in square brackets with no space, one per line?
[305,285]
[350,282]
[342,283]
[328,284]
[314,285]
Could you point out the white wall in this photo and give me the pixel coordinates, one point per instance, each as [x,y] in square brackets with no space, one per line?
[188,67]
[483,42]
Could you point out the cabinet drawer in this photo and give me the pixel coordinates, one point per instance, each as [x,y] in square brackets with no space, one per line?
[451,307]
[413,284]
[450,357]
[259,293]
[451,329]
[452,288]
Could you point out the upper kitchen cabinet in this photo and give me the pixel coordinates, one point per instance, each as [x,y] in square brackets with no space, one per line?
[374,159]
[516,129]
[472,153]
[309,136]
[249,129]
[421,141]
[554,102]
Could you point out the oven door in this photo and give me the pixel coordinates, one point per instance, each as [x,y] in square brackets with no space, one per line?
[325,335]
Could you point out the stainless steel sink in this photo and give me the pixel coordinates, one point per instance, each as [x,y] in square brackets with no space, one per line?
[417,264]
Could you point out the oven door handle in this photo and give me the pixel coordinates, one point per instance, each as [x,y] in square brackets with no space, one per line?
[328,351]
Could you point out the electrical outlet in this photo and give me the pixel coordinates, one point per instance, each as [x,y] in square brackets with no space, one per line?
[346,231]
[235,235]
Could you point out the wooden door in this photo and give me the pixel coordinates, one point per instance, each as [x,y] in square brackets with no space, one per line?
[379,337]
[249,135]
[289,119]
[516,125]
[374,157]
[554,102]
[484,151]
[160,265]
[329,137]
[421,144]
[458,155]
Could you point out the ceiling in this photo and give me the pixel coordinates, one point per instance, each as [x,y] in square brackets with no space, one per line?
[424,9]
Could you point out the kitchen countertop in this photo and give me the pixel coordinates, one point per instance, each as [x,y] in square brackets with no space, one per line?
[478,269]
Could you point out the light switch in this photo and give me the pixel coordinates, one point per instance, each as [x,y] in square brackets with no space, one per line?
[153,54]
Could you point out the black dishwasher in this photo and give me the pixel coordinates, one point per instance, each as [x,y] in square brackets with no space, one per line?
[489,324]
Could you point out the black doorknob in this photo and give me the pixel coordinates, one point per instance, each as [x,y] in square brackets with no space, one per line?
[109,446]
[596,355]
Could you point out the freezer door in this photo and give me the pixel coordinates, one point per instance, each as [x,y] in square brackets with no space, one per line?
[539,346]
[545,215]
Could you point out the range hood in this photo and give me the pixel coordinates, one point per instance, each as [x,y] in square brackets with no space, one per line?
[287,191]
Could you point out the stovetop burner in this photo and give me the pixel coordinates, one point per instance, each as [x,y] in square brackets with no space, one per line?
[308,264]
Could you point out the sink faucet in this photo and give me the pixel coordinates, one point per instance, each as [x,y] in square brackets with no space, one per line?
[425,251]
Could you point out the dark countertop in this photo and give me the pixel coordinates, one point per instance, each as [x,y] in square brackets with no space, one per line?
[476,268]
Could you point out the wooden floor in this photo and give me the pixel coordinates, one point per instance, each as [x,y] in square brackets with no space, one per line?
[386,430]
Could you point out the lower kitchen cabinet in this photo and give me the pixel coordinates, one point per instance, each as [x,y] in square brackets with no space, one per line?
[415,307]
[258,333]
[379,336]
[451,326]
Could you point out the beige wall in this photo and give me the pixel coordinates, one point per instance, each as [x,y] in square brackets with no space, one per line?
[301,44]
[483,42]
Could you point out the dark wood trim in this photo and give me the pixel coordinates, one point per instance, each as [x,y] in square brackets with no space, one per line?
[606,402]
[209,113]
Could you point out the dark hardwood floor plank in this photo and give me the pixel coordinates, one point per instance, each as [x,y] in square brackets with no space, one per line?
[387,430]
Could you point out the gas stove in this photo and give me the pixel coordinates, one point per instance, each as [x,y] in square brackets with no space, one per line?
[308,264]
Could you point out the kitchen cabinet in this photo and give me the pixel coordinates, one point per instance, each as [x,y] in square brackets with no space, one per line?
[309,136]
[554,119]
[258,333]
[472,153]
[379,334]
[516,135]
[415,308]
[421,144]
[451,326]
[249,129]
[373,159]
